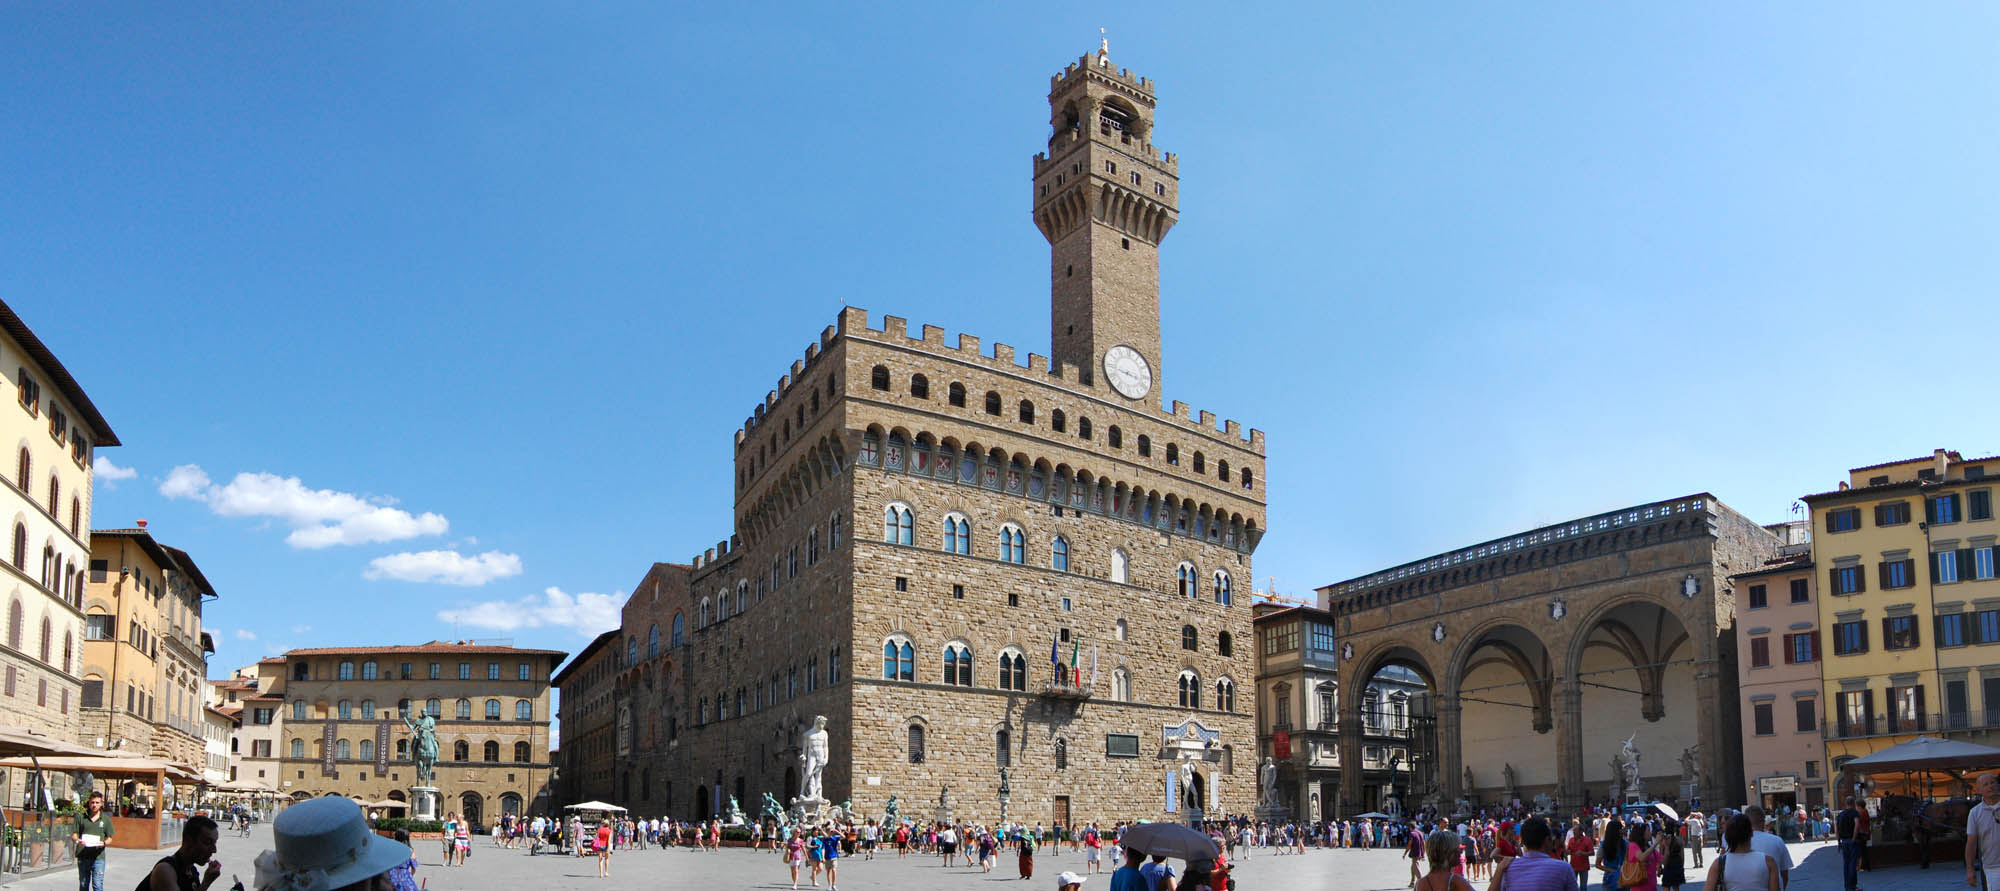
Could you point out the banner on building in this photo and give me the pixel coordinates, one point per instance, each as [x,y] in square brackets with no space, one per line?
[381,747]
[1281,744]
[328,734]
[1173,792]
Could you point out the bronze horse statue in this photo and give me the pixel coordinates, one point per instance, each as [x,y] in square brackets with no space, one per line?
[1922,821]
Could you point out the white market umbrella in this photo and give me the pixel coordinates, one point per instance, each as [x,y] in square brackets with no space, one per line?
[595,806]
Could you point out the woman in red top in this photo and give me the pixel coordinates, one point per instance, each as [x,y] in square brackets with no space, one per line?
[604,850]
[1579,847]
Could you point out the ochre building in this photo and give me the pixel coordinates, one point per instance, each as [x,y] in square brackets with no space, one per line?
[345,731]
[968,559]
[145,654]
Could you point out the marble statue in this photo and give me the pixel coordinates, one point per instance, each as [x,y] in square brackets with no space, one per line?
[1188,795]
[1690,763]
[735,810]
[1507,778]
[812,758]
[423,746]
[1617,786]
[1628,759]
[1269,773]
[893,811]
[1395,808]
[1469,785]
[1544,804]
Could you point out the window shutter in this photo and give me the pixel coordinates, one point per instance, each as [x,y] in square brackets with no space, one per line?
[1760,651]
[1860,580]
[1885,631]
[1815,645]
[1916,636]
[1833,581]
[1882,573]
[1964,564]
[1863,628]
[1930,510]
[1789,644]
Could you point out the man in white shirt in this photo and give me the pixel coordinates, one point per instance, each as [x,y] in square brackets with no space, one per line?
[1769,845]
[1982,834]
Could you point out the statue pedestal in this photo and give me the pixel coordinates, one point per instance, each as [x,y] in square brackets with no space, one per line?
[423,803]
[808,810]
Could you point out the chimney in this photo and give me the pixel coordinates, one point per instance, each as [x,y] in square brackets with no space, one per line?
[1940,459]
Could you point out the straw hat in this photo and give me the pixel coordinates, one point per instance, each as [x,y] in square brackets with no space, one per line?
[325,843]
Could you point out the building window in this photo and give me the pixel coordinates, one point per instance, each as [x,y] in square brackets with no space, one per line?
[957,666]
[523,753]
[298,708]
[957,535]
[1948,567]
[490,752]
[1899,632]
[1898,573]
[1121,685]
[1059,554]
[347,671]
[1757,597]
[1982,562]
[465,671]
[1764,727]
[878,377]
[1225,645]
[435,670]
[1799,592]
[1184,580]
[1850,638]
[1083,428]
[298,748]
[1013,671]
[1760,652]
[1807,715]
[1846,519]
[1223,594]
[1189,684]
[368,670]
[434,708]
[1979,504]
[1802,647]
[1906,709]
[897,524]
[1847,580]
[916,743]
[1942,509]
[1188,638]
[1013,544]
[367,709]
[1225,695]
[1892,513]
[955,394]
[1120,566]
[1027,412]
[1951,630]
[1282,637]
[492,709]
[920,386]
[899,660]
[1173,454]
[992,403]
[1114,437]
[464,711]
[1145,446]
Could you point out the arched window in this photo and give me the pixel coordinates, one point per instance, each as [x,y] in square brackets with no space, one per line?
[632,644]
[1003,747]
[345,709]
[653,642]
[832,535]
[491,751]
[21,547]
[1225,695]
[958,665]
[67,651]
[1200,463]
[871,449]
[347,671]
[1059,423]
[899,659]
[956,394]
[1027,412]
[15,618]
[76,514]
[920,387]
[402,750]
[1184,578]
[1083,427]
[1119,630]
[992,403]
[1225,645]
[1062,753]
[1222,470]
[1189,640]
[679,632]
[1245,475]
[340,749]
[879,377]
[1013,544]
[957,534]
[1145,446]
[1059,554]
[1190,689]
[1013,670]
[367,750]
[1173,454]
[48,638]
[298,748]
[492,709]
[434,708]
[1115,437]
[465,709]
[369,670]
[55,495]
[1120,566]
[298,709]
[367,709]
[833,666]
[916,743]
[1121,685]
[897,524]
[1223,594]
[24,478]
[523,753]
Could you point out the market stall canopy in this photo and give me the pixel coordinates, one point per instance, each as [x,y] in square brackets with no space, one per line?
[107,765]
[595,806]
[244,786]
[1926,753]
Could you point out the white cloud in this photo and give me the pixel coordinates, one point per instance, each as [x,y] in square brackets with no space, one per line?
[245,634]
[589,614]
[105,471]
[301,629]
[446,567]
[319,517]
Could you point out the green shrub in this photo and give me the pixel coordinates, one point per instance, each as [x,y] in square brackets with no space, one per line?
[391,824]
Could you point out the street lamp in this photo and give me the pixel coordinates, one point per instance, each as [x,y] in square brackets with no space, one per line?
[1006,792]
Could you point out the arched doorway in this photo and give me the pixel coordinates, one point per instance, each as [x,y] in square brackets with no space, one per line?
[510,804]
[398,796]
[470,810]
[701,811]
[1503,682]
[1634,666]
[1392,746]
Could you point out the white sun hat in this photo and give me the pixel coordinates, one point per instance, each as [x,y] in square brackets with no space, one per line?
[322,844]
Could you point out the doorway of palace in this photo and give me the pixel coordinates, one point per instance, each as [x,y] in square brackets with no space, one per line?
[1061,814]
[469,809]
[701,811]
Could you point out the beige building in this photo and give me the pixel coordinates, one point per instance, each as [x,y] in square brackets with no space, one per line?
[254,697]
[1778,677]
[345,730]
[48,495]
[967,562]
[145,654]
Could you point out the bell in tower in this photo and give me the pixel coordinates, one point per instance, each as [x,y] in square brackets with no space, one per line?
[1105,198]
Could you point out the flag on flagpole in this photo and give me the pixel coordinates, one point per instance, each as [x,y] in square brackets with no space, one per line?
[1076,673]
[1055,650]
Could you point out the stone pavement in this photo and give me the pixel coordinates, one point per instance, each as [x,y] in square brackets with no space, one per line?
[495,868]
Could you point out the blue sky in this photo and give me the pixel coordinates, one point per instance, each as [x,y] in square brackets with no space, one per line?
[449,294]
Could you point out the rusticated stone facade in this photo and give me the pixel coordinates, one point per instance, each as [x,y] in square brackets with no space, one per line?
[919,524]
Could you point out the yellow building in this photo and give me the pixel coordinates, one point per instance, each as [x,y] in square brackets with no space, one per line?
[144,654]
[1905,552]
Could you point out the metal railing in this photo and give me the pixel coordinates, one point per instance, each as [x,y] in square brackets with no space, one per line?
[1968,721]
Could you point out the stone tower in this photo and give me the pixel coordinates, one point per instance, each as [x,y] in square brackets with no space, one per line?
[1105,198]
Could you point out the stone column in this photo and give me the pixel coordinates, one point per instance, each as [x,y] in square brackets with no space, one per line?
[1350,750]
[1720,780]
[1570,793]
[1451,760]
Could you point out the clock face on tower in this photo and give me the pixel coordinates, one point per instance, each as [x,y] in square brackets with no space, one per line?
[1127,371]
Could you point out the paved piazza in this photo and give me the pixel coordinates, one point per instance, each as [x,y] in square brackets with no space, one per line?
[494,868]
